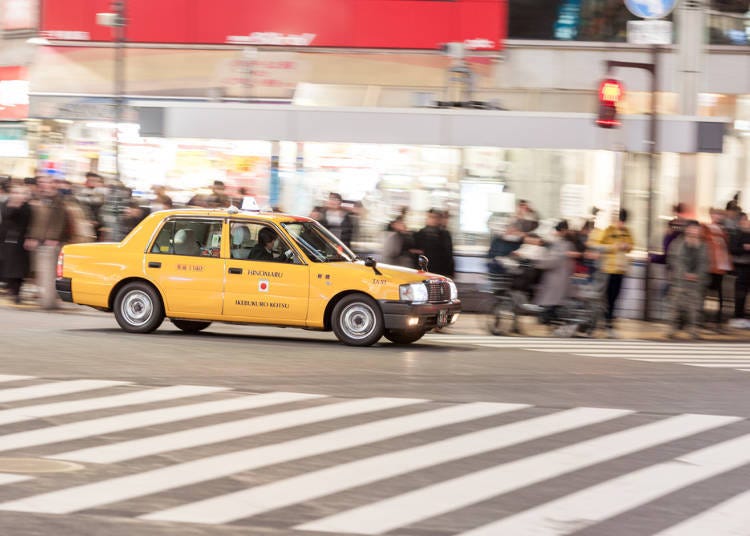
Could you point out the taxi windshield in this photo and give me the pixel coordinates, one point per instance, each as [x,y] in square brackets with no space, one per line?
[317,242]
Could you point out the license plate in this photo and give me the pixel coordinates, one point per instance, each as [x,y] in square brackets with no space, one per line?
[442,318]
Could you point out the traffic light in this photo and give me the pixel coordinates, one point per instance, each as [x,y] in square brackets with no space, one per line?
[610,94]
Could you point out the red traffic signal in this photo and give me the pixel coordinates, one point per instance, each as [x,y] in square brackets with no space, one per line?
[610,94]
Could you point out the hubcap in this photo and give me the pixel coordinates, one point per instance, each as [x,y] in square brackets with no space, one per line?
[137,308]
[358,320]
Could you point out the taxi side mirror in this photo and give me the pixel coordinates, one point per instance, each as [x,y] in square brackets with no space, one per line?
[372,263]
[423,262]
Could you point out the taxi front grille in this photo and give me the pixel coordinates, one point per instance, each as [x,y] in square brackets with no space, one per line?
[438,291]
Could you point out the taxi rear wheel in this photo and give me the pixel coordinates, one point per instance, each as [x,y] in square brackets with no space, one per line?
[138,308]
[357,320]
[191,326]
[403,336]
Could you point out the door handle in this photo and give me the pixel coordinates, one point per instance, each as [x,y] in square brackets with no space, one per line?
[235,270]
[154,265]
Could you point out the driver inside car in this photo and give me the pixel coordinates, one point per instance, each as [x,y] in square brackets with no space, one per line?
[263,250]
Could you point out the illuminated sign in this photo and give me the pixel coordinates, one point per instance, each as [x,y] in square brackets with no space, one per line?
[14,94]
[19,14]
[396,24]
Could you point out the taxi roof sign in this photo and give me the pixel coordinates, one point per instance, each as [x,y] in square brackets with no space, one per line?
[249,204]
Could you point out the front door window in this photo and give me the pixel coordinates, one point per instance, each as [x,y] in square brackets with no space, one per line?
[266,280]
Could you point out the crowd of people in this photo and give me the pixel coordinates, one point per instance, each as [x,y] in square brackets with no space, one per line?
[401,247]
[40,214]
[697,258]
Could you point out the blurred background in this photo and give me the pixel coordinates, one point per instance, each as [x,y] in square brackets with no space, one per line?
[464,105]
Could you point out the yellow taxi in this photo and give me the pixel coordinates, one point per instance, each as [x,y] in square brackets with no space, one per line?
[198,266]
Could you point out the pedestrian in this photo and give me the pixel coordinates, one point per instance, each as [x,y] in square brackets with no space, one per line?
[218,197]
[434,241]
[688,262]
[133,214]
[526,218]
[357,214]
[111,213]
[92,196]
[614,244]
[161,200]
[739,246]
[316,213]
[398,246]
[557,264]
[506,238]
[15,219]
[720,261]
[337,219]
[49,231]
[675,228]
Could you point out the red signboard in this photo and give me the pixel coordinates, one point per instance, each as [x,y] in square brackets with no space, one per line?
[396,24]
[14,94]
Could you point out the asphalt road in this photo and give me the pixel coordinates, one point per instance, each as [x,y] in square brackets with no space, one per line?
[454,433]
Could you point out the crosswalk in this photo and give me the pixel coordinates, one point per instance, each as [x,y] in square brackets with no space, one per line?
[695,354]
[311,463]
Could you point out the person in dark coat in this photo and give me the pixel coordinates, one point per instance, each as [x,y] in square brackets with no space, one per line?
[338,220]
[15,219]
[435,242]
[263,250]
[739,246]
[398,246]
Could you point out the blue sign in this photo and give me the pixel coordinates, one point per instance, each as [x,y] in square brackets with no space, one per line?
[566,26]
[651,9]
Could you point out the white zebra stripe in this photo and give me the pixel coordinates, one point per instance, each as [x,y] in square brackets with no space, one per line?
[408,508]
[253,501]
[28,413]
[595,504]
[128,487]
[6,478]
[216,433]
[55,389]
[14,378]
[128,421]
[730,518]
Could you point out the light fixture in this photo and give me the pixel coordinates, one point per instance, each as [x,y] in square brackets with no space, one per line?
[38,41]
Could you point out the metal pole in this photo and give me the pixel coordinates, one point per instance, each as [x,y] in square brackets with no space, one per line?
[119,35]
[651,176]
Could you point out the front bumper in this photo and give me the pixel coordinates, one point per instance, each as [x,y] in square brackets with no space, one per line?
[419,316]
[64,288]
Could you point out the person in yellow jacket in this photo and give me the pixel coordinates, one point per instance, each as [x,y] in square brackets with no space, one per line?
[614,244]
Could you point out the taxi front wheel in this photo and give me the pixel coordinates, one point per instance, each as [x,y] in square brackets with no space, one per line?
[138,308]
[191,326]
[357,320]
[402,336]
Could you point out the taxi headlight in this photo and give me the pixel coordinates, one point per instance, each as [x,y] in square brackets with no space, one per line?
[414,292]
[454,290]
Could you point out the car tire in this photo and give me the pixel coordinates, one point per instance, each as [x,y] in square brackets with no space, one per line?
[191,326]
[138,308]
[357,320]
[403,336]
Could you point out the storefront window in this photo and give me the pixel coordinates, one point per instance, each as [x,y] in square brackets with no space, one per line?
[569,20]
[729,22]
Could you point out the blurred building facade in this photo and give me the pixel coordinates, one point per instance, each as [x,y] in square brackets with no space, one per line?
[344,109]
